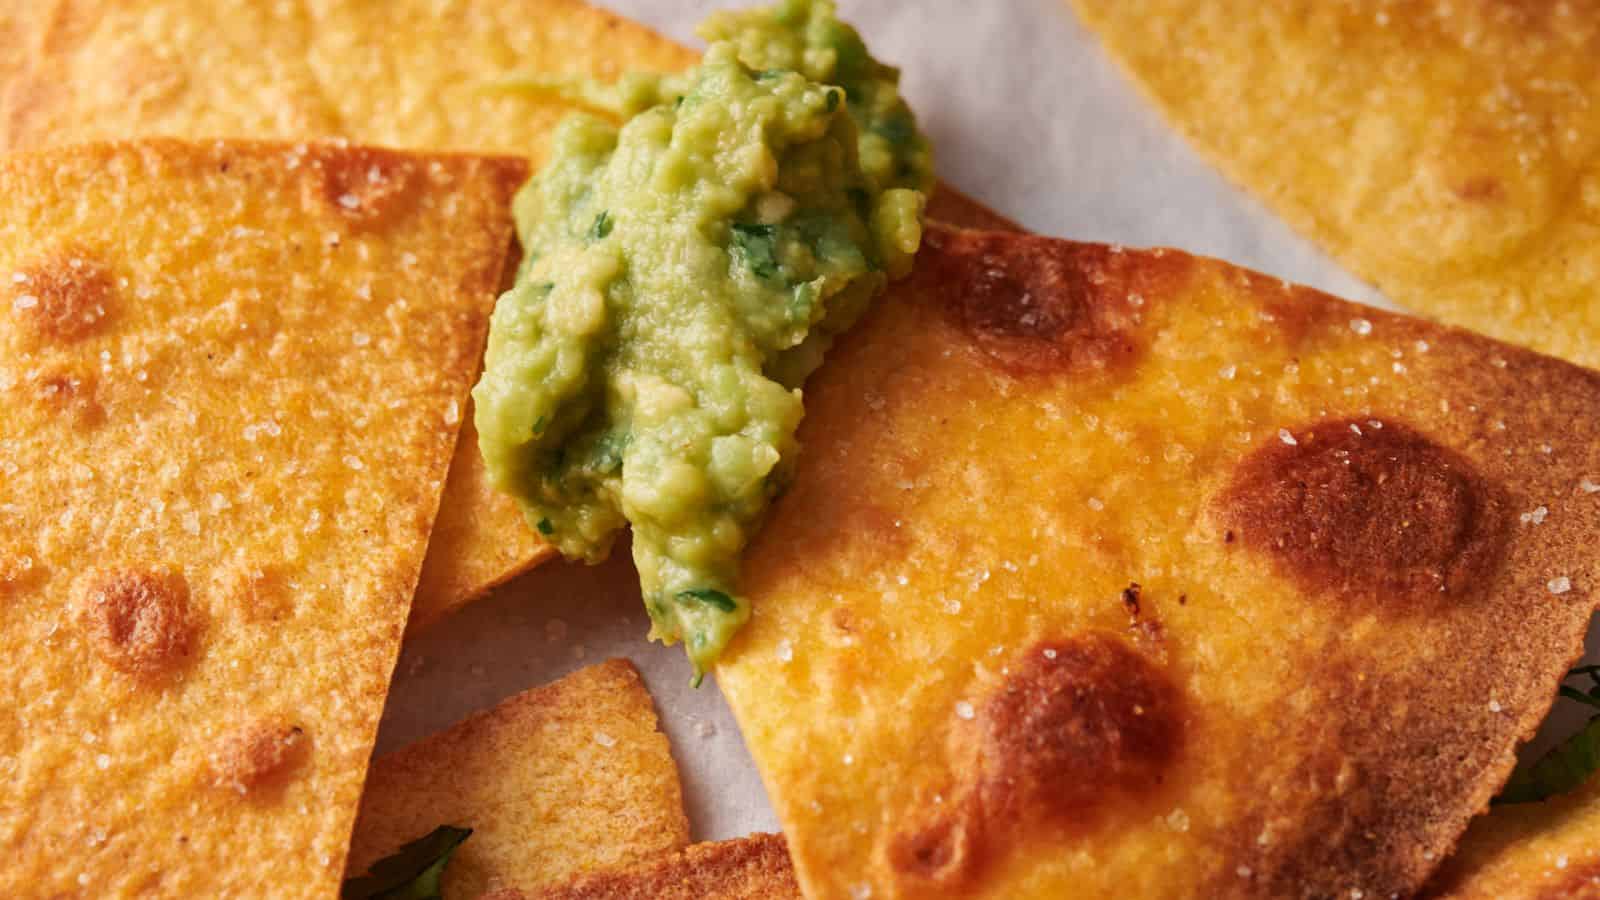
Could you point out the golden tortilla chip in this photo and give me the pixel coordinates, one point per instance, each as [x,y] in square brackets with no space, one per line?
[749,868]
[1447,152]
[556,781]
[1529,851]
[409,73]
[1118,573]
[231,377]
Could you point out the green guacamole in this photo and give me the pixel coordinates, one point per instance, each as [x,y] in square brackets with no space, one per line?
[685,271]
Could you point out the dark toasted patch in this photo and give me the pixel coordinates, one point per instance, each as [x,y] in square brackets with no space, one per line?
[139,620]
[366,186]
[1380,511]
[1040,306]
[260,754]
[65,295]
[1076,720]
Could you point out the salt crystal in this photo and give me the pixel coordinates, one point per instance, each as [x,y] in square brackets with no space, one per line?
[785,650]
[1559,585]
[354,462]
[103,761]
[604,740]
[1536,517]
[965,710]
[361,339]
[1286,437]
[1589,486]
[1095,504]
[1561,862]
[1494,705]
[1361,326]
[24,301]
[1228,372]
[1049,653]
[349,201]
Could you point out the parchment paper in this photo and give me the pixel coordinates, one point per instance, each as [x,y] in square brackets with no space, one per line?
[1027,115]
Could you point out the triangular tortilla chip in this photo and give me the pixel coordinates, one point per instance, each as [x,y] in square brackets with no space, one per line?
[1116,573]
[230,377]
[748,868]
[1449,153]
[410,73]
[554,782]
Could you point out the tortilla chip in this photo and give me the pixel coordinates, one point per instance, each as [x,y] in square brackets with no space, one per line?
[556,781]
[749,868]
[230,376]
[1117,573]
[1529,851]
[408,73]
[1449,153]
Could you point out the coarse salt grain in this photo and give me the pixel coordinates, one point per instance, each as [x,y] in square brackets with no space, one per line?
[1536,517]
[785,650]
[1361,326]
[354,462]
[1049,653]
[1494,705]
[1227,372]
[1286,437]
[349,201]
[1559,585]
[604,740]
[965,710]
[1095,504]
[1589,486]
[24,301]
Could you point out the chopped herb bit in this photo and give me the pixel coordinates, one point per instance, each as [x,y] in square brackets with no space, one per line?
[769,74]
[755,247]
[538,425]
[412,873]
[1568,764]
[710,597]
[602,226]
[833,100]
[546,528]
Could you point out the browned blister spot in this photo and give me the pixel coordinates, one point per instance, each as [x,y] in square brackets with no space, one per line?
[366,186]
[1076,720]
[64,296]
[1041,306]
[140,620]
[63,394]
[1358,508]
[1079,724]
[258,755]
[1481,189]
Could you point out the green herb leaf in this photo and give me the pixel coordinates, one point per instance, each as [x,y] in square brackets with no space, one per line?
[755,245]
[412,873]
[546,528]
[710,597]
[1568,764]
[601,227]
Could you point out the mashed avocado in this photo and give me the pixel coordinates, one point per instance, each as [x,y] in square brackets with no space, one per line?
[686,270]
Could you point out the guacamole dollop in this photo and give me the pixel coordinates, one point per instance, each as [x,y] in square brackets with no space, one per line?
[693,246]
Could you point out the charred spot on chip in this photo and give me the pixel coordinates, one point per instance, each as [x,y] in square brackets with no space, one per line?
[1076,720]
[367,186]
[1367,507]
[258,755]
[139,621]
[64,296]
[941,852]
[1481,189]
[1038,306]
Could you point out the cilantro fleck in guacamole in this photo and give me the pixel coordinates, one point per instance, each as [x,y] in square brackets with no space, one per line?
[686,270]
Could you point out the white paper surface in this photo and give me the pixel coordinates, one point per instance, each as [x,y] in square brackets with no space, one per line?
[1029,116]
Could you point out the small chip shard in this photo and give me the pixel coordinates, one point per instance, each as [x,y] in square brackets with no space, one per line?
[139,620]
